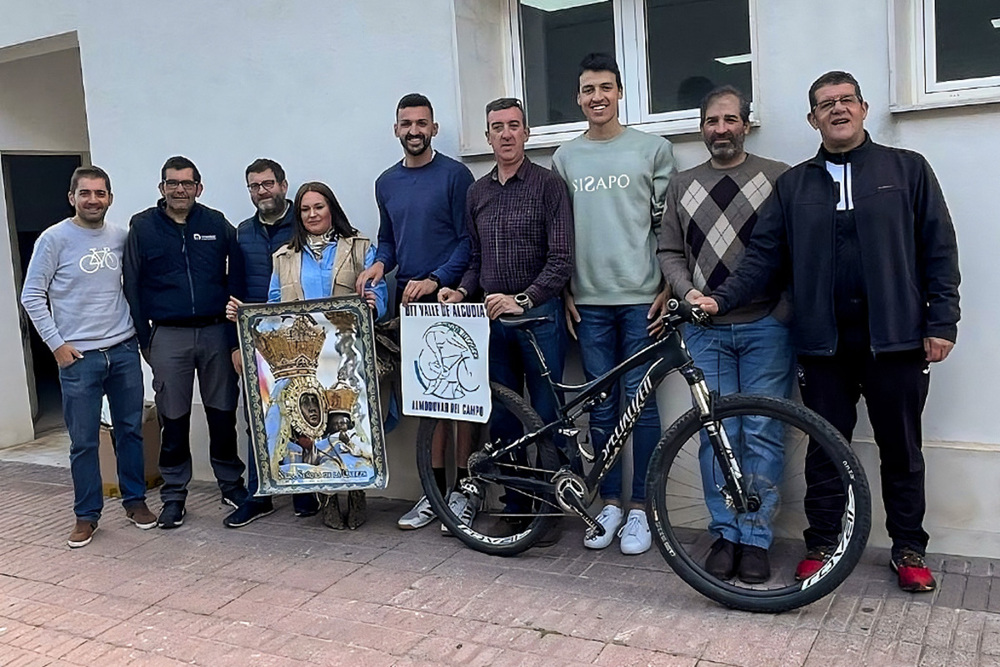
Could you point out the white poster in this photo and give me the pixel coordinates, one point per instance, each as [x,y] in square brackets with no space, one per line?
[445,369]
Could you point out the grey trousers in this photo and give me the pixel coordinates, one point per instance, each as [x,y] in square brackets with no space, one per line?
[176,354]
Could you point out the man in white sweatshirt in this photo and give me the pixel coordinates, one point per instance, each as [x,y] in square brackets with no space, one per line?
[617,179]
[73,294]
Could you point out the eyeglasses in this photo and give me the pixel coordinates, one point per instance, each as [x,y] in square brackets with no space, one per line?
[173,185]
[263,185]
[827,105]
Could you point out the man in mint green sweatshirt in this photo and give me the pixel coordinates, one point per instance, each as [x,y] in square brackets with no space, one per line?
[617,178]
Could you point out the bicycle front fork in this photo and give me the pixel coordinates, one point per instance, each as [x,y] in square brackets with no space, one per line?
[735,493]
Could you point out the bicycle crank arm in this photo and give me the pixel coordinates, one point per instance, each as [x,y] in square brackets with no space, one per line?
[572,496]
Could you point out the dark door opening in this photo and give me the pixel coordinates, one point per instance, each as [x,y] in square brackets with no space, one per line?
[36,187]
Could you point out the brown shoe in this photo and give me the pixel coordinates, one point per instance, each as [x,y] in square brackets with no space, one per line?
[332,517]
[83,533]
[140,515]
[357,509]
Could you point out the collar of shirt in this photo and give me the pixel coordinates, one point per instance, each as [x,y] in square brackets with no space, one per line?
[519,174]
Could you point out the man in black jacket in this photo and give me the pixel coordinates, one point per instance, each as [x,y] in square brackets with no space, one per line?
[864,236]
[176,282]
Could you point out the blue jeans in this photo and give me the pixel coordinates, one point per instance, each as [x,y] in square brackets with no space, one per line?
[608,336]
[752,358]
[514,364]
[117,373]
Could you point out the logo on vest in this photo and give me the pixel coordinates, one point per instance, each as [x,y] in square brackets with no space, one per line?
[595,183]
[204,237]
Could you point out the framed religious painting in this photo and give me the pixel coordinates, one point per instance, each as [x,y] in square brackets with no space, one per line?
[312,395]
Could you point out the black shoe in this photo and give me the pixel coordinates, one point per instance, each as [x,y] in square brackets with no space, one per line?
[248,512]
[237,497]
[172,515]
[305,505]
[755,568]
[552,536]
[721,561]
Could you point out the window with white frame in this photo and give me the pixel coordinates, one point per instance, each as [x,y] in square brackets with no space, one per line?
[670,52]
[946,52]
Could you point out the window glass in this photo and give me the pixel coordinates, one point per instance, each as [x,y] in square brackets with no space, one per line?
[694,46]
[555,36]
[967,39]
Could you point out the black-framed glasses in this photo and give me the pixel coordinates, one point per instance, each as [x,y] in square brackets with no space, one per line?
[827,105]
[173,185]
[263,185]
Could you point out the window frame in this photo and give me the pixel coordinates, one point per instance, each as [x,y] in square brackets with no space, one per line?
[631,54]
[913,63]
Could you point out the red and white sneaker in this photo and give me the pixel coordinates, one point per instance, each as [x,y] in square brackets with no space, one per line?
[812,563]
[914,575]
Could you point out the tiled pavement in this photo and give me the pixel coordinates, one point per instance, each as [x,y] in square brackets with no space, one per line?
[286,591]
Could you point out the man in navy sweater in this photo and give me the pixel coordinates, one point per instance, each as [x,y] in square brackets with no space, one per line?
[176,283]
[422,234]
[269,228]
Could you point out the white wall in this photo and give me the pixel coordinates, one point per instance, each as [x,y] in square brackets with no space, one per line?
[41,110]
[314,84]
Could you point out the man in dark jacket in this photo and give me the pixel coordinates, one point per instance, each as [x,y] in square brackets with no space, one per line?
[269,228]
[863,233]
[176,283]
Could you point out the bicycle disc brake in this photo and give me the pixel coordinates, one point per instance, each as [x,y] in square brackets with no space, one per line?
[571,495]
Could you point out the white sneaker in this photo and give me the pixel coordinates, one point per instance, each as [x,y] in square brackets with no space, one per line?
[635,537]
[463,507]
[610,517]
[418,517]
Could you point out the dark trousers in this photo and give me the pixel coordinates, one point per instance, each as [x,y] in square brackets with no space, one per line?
[894,386]
[176,354]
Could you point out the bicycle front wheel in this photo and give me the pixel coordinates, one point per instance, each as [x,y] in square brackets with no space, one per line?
[511,499]
[836,510]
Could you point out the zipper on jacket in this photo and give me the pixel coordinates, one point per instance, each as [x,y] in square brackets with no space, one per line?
[187,267]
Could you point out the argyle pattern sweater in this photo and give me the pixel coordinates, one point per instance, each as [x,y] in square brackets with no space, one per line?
[708,219]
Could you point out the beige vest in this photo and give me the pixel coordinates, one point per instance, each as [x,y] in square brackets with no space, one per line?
[348,262]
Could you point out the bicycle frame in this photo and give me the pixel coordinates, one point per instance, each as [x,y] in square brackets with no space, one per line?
[668,354]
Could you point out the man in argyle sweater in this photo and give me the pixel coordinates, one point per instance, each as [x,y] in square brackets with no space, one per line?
[709,215]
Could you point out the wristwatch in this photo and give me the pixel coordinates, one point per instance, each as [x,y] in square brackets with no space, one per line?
[435,279]
[523,300]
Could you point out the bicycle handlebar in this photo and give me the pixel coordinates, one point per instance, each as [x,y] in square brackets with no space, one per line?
[682,311]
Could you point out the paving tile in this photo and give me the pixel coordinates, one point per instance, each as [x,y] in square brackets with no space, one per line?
[285,592]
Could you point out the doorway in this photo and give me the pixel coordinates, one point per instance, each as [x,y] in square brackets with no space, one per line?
[36,187]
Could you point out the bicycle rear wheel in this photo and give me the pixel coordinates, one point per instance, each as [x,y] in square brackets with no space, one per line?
[508,520]
[676,488]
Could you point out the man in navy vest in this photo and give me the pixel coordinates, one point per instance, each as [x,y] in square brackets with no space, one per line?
[258,237]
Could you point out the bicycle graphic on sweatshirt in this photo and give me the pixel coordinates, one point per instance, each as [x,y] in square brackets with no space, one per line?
[97,259]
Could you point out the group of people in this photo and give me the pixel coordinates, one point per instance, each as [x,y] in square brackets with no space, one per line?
[846,263]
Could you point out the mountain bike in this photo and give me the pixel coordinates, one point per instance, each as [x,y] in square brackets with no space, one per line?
[521,480]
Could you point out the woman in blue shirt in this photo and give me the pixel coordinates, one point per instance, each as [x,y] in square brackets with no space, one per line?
[323,259]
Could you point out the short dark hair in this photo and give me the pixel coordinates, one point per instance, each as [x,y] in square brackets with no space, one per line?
[179,162]
[93,171]
[262,164]
[414,100]
[341,226]
[832,79]
[601,62]
[722,91]
[502,103]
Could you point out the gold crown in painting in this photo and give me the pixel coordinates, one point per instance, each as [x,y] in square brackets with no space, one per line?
[293,350]
[341,398]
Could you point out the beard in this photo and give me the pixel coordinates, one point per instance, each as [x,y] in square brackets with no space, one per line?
[726,150]
[425,143]
[271,205]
